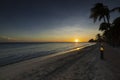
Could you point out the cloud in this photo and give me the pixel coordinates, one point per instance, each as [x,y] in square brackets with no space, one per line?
[6,39]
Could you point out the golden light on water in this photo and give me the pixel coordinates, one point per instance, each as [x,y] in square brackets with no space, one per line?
[77,48]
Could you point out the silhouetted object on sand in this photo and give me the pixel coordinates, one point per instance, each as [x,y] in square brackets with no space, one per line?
[101,52]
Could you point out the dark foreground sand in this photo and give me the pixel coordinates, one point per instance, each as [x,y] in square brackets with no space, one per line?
[83,64]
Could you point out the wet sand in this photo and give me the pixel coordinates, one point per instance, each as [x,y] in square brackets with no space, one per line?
[83,64]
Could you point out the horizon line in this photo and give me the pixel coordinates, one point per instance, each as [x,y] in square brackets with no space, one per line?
[42,42]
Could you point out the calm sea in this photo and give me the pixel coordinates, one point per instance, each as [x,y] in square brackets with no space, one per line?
[15,52]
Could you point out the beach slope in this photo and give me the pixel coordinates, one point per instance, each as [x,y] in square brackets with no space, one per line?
[83,64]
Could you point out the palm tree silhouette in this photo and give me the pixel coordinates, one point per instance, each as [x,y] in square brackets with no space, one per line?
[100,11]
[111,32]
[104,26]
[115,9]
[116,30]
[98,37]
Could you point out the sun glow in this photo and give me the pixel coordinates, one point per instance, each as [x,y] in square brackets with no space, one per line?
[76,40]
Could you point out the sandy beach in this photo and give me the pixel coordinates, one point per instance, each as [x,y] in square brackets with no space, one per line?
[83,64]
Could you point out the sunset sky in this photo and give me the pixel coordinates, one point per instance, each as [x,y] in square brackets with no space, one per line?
[48,20]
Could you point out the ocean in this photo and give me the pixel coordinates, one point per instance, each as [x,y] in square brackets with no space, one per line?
[16,52]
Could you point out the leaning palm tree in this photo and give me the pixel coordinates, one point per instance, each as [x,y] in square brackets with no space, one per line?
[100,11]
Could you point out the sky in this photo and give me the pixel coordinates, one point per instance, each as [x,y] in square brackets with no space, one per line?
[48,20]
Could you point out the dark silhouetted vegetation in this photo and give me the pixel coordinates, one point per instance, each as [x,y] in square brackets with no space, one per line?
[92,40]
[110,29]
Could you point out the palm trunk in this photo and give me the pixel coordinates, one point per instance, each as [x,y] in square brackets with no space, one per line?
[107,18]
[108,21]
[104,19]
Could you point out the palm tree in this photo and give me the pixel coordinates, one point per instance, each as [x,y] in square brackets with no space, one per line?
[100,11]
[98,37]
[111,31]
[104,26]
[116,28]
[115,9]
[112,35]
[117,21]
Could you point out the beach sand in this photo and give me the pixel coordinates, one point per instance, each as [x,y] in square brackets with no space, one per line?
[83,64]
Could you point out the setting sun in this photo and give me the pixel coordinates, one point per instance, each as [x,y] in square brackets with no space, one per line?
[76,40]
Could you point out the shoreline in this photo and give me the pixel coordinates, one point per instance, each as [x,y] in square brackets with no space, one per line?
[33,62]
[25,58]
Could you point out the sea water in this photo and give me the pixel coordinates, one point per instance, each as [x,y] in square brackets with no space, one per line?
[15,52]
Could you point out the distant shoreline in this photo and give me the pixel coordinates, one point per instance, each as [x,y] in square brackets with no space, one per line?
[36,42]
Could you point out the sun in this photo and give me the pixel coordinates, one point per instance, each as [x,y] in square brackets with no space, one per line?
[76,40]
